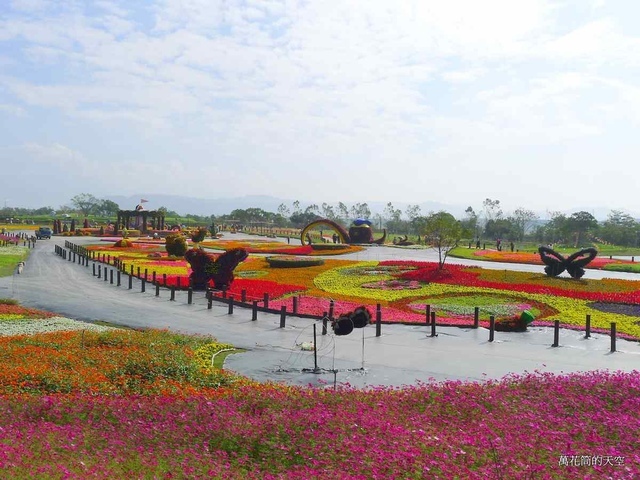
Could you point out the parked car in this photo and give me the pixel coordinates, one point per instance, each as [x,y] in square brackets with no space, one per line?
[43,232]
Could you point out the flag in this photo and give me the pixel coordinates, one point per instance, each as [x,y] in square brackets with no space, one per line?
[143,200]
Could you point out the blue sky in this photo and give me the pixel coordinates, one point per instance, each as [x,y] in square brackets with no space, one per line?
[534,103]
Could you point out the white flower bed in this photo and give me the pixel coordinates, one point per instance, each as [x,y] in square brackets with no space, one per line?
[46,325]
[13,250]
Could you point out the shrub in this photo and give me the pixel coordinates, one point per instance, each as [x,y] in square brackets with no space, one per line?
[176,245]
[293,262]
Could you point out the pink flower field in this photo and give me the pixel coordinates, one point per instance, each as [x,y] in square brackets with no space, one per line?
[535,426]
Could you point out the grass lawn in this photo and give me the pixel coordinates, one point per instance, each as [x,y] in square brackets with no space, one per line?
[9,258]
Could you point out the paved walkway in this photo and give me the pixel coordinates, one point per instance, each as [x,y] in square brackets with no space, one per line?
[403,355]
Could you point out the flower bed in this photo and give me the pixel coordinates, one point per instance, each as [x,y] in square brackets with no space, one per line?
[404,288]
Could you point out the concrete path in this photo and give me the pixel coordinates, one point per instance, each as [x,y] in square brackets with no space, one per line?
[403,355]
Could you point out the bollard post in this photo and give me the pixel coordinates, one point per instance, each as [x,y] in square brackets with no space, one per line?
[230,312]
[378,320]
[190,296]
[130,282]
[173,294]
[118,277]
[243,296]
[99,272]
[427,312]
[153,277]
[209,299]
[157,289]
[111,276]
[283,316]
[492,327]
[146,272]
[105,273]
[433,324]
[295,304]
[131,270]
[587,330]
[265,299]
[143,285]
[613,337]
[94,269]
[476,317]
[254,311]
[556,333]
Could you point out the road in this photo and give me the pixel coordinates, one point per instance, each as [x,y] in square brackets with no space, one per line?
[402,355]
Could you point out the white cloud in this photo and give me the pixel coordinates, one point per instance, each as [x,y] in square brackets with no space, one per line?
[346,87]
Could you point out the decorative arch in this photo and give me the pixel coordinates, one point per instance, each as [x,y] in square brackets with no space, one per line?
[342,233]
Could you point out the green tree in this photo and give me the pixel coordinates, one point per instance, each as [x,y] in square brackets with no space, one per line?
[582,224]
[522,220]
[343,212]
[470,223]
[620,229]
[443,232]
[392,218]
[85,203]
[106,208]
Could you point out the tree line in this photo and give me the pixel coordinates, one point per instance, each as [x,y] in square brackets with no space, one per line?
[487,223]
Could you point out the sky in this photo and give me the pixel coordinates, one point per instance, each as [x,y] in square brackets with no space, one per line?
[535,103]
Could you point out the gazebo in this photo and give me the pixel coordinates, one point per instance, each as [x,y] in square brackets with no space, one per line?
[141,220]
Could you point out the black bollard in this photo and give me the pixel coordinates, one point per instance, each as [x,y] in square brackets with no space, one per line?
[476,317]
[230,311]
[295,304]
[254,311]
[378,320]
[105,273]
[173,294]
[146,272]
[153,277]
[427,312]
[433,324]
[111,276]
[130,282]
[587,330]
[99,272]
[492,327]
[131,270]
[209,299]
[94,269]
[613,337]
[283,316]
[118,278]
[556,333]
[157,289]
[190,296]
[143,285]
[265,298]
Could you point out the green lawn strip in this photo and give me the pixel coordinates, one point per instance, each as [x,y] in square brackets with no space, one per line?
[8,262]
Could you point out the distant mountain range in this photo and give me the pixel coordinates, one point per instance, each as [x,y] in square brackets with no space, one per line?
[221,206]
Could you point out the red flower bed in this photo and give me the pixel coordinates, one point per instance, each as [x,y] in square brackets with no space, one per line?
[461,275]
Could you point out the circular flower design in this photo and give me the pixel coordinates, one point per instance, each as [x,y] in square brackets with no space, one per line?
[393,285]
